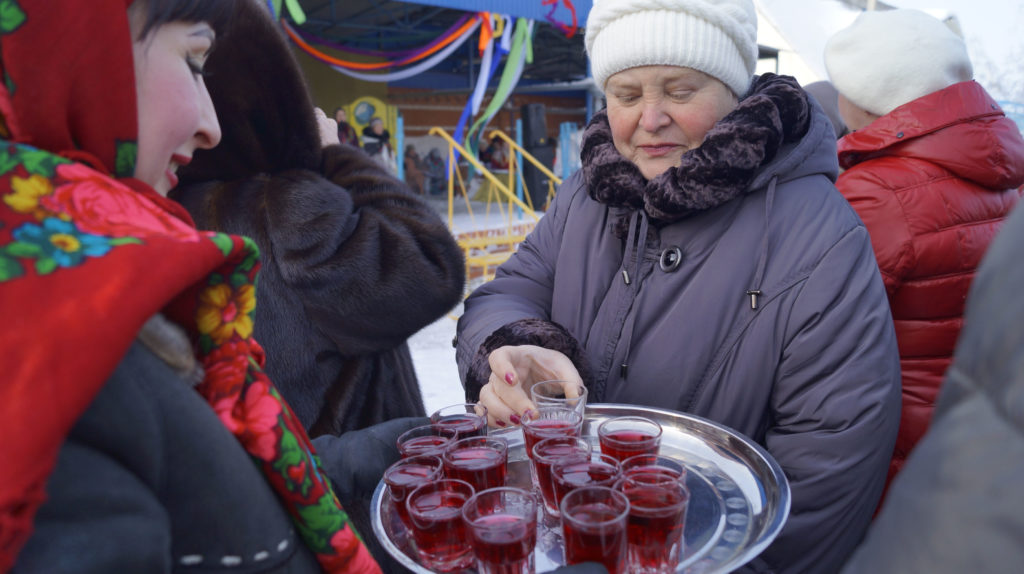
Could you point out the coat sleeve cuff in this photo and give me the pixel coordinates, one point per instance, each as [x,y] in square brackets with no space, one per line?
[536,332]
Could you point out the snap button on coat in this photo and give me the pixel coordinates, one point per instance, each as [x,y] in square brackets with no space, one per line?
[670,259]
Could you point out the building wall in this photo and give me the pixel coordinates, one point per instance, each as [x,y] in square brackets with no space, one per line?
[423,109]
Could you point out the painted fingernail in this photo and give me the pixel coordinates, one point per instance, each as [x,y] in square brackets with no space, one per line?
[515,419]
[510,378]
[500,423]
[527,413]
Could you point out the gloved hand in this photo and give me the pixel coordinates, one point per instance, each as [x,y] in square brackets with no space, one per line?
[355,461]
[584,568]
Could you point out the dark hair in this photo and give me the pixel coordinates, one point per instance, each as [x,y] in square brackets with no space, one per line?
[216,13]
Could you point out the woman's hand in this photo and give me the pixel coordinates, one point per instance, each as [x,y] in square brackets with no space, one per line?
[328,128]
[514,370]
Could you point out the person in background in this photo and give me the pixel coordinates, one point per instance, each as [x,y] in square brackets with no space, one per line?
[932,167]
[495,156]
[414,175]
[377,143]
[142,433]
[956,505]
[434,169]
[828,98]
[355,262]
[346,133]
[703,261]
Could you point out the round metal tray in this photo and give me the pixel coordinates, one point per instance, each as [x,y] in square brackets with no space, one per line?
[739,497]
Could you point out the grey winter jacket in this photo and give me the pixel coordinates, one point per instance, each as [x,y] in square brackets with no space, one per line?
[956,506]
[811,373]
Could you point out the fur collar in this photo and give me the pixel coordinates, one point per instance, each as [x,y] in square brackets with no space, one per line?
[776,111]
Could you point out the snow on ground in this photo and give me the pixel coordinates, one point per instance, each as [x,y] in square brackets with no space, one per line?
[432,353]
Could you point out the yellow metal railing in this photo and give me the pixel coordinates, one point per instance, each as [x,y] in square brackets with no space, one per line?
[484,249]
[454,174]
[553,180]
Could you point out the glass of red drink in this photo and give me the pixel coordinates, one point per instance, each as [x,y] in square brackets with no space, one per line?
[623,437]
[594,527]
[479,460]
[549,422]
[654,464]
[572,472]
[657,514]
[545,454]
[426,439]
[503,527]
[408,473]
[554,394]
[435,511]
[468,419]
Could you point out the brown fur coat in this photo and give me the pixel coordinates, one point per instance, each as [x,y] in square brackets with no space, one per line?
[353,262]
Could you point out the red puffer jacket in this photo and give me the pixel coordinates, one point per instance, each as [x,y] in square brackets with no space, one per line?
[932,180]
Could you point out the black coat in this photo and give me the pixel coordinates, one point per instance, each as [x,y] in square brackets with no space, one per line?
[353,262]
[150,480]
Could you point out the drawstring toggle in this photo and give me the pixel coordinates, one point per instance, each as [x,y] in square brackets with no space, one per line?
[754,294]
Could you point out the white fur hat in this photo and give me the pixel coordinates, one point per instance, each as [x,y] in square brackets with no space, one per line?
[717,37]
[889,58]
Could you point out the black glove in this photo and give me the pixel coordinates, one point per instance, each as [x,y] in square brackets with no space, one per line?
[355,461]
[584,568]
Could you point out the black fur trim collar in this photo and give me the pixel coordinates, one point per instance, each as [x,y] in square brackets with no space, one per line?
[775,111]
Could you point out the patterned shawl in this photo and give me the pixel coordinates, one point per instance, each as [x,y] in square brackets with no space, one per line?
[86,258]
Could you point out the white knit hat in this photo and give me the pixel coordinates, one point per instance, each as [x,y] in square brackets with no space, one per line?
[888,58]
[717,37]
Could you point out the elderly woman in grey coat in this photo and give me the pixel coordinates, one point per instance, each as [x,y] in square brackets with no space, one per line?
[703,261]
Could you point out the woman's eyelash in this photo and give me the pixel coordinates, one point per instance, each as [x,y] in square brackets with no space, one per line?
[195,67]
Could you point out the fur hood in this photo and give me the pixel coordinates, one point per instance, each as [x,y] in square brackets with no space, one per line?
[262,104]
[775,112]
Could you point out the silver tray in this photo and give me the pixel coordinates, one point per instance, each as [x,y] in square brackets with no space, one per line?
[739,497]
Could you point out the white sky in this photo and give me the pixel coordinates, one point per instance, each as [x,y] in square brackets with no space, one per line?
[996,50]
[988,27]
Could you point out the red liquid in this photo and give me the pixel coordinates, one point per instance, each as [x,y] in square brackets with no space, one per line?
[652,474]
[505,544]
[536,431]
[480,466]
[401,481]
[465,425]
[606,545]
[433,445]
[626,443]
[439,531]
[655,526]
[583,473]
[543,468]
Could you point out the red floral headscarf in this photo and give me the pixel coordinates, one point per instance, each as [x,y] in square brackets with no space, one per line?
[88,254]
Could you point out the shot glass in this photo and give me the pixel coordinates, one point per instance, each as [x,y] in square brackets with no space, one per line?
[481,461]
[435,511]
[573,471]
[408,473]
[657,515]
[546,453]
[552,394]
[426,439]
[549,422]
[502,525]
[594,526]
[655,467]
[468,419]
[623,437]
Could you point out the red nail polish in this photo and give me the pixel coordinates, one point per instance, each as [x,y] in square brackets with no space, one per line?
[500,423]
[510,378]
[515,419]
